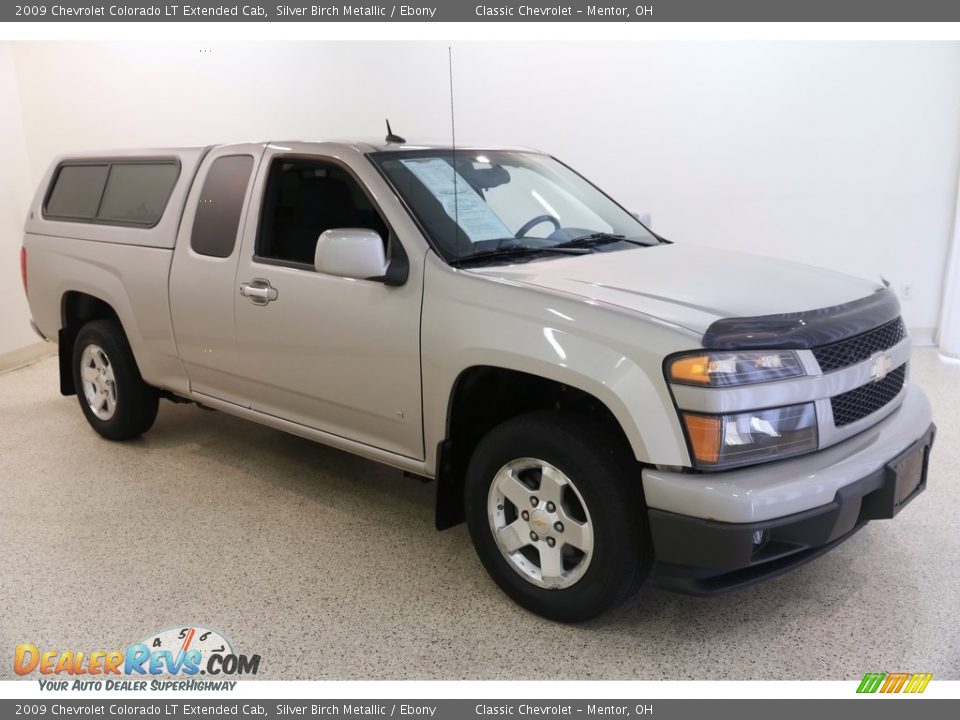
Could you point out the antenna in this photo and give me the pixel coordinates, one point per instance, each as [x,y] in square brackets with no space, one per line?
[394,139]
[453,152]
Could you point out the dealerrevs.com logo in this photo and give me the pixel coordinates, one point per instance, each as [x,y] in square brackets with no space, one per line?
[185,652]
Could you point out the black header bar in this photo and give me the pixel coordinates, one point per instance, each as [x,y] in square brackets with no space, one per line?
[491,11]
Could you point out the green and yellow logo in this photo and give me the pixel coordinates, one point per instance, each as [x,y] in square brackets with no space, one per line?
[894,682]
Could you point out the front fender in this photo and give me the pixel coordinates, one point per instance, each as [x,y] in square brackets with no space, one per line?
[615,356]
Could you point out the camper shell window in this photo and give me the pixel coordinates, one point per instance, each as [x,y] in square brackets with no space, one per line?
[131,192]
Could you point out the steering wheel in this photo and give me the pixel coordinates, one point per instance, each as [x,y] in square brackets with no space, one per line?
[533,222]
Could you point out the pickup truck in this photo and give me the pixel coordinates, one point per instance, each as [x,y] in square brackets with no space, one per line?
[600,405]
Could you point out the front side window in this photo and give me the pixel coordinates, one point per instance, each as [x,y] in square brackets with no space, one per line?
[478,203]
[303,199]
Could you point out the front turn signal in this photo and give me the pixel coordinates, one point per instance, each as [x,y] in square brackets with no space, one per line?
[704,434]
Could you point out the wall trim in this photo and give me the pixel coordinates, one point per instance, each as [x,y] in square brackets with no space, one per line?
[25,356]
[922,336]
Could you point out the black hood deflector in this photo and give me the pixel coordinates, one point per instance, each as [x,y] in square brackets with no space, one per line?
[804,330]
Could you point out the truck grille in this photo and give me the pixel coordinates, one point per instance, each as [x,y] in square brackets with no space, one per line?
[857,349]
[855,404]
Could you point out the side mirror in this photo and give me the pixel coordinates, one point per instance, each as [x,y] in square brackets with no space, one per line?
[351,252]
[644,218]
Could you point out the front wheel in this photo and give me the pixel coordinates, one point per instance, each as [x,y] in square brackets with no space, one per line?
[116,401]
[555,516]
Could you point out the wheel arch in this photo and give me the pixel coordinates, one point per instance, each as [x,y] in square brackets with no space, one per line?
[77,308]
[482,397]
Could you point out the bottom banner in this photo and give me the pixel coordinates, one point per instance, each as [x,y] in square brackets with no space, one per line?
[874,709]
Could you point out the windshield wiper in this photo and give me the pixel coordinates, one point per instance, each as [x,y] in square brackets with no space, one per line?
[600,238]
[516,251]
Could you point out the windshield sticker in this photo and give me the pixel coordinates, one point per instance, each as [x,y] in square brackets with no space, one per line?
[477,221]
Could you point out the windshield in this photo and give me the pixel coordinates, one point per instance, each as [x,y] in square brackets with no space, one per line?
[493,203]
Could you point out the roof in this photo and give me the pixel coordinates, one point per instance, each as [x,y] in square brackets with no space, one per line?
[357,145]
[367,145]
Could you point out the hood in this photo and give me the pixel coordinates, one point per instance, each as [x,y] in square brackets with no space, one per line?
[690,286]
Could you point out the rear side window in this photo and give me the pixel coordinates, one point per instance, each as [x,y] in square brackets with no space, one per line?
[137,193]
[221,201]
[112,192]
[77,191]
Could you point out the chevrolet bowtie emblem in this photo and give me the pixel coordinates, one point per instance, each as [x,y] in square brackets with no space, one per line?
[881,366]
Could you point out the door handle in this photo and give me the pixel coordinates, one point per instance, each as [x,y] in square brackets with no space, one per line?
[259,291]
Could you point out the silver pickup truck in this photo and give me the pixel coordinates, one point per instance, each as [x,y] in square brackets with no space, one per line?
[600,405]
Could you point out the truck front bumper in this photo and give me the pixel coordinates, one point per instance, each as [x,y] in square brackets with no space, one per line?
[732,535]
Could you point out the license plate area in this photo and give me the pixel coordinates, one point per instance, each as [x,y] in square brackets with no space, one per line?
[902,479]
[909,475]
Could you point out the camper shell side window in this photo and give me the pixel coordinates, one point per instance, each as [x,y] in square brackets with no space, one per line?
[132,192]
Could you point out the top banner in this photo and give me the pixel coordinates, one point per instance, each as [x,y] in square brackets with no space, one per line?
[491,11]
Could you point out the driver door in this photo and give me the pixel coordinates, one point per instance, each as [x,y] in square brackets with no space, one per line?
[336,354]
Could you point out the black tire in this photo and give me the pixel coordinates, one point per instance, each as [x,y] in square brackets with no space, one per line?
[136,403]
[600,469]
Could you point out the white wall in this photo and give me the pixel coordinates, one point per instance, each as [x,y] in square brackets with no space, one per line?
[837,154]
[843,155]
[948,333]
[15,194]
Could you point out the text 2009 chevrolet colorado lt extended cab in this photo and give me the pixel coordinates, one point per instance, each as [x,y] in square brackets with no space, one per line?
[599,404]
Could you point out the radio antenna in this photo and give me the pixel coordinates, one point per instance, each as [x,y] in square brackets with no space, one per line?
[394,139]
[453,152]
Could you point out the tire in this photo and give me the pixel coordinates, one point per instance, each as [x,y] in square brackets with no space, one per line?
[602,541]
[116,401]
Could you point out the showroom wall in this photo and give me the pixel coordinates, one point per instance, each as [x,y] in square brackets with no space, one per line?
[837,154]
[15,191]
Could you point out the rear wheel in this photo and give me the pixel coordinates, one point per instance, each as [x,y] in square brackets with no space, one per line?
[116,401]
[556,517]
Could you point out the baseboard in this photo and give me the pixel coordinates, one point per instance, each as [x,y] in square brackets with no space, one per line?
[24,356]
[922,336]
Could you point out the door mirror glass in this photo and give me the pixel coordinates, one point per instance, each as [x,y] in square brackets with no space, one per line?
[644,218]
[352,253]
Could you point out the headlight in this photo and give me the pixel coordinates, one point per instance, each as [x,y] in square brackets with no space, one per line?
[718,369]
[751,437]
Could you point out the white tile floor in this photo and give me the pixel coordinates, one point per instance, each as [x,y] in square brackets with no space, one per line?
[329,566]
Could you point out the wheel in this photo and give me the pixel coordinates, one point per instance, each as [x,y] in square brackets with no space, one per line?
[556,516]
[116,401]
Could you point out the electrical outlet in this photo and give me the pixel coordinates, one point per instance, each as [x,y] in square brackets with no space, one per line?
[906,291]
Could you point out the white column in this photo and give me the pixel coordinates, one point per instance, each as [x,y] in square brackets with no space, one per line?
[15,191]
[949,332]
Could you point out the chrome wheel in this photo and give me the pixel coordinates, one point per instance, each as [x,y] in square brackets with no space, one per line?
[99,382]
[540,523]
